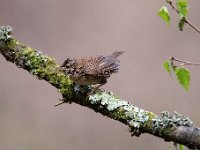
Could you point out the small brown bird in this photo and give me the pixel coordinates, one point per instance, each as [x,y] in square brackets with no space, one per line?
[91,70]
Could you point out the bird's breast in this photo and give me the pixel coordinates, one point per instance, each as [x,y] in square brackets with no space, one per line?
[88,79]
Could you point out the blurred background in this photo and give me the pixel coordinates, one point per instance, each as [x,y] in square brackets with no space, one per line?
[76,28]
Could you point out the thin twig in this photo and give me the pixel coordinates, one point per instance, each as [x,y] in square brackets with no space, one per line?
[184,19]
[59,103]
[190,24]
[176,146]
[184,62]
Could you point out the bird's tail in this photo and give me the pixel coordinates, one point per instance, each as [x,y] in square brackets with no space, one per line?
[115,54]
[110,64]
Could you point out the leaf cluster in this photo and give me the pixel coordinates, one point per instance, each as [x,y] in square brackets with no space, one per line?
[182,73]
[182,9]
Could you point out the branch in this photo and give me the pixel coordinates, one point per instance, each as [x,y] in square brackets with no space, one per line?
[176,128]
[184,62]
[184,19]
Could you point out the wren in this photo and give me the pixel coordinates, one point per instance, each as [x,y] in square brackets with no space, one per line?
[91,70]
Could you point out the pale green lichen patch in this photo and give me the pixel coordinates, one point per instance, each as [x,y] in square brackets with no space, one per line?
[122,110]
[166,121]
[138,119]
[107,99]
[5,33]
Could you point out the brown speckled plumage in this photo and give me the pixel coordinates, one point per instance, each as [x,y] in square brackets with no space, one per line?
[91,70]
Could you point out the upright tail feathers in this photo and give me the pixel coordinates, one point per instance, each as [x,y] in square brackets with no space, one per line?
[110,64]
[116,54]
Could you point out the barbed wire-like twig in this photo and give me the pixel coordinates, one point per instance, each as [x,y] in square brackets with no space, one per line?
[184,19]
[177,128]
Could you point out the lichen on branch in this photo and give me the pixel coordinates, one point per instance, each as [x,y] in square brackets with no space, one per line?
[138,120]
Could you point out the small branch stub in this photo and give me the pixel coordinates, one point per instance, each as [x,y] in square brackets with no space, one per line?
[60,103]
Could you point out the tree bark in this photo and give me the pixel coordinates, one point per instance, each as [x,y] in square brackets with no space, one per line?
[176,128]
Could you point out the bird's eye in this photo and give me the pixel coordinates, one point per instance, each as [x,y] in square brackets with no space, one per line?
[67,66]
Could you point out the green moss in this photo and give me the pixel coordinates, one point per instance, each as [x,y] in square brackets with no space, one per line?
[165,131]
[11,44]
[151,115]
[119,114]
[44,67]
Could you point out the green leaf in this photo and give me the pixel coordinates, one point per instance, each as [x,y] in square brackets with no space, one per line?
[181,147]
[182,6]
[181,24]
[183,76]
[166,65]
[164,14]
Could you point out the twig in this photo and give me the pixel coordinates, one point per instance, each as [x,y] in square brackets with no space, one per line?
[176,146]
[184,19]
[59,103]
[184,62]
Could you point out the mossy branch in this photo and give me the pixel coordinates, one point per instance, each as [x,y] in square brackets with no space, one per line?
[176,128]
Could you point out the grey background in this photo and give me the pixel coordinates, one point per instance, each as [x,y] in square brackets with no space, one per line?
[75,28]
